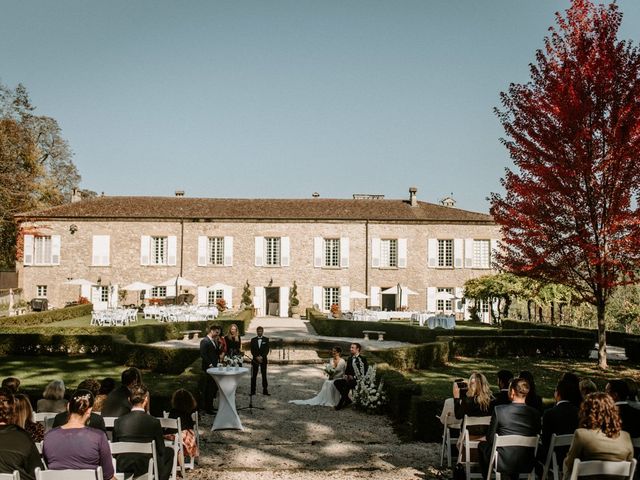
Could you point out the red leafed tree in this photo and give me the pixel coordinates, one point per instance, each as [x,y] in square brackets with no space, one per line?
[570,211]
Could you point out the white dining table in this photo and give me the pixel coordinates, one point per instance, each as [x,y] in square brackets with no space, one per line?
[227,379]
[434,321]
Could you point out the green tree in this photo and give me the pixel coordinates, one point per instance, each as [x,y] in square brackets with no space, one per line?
[246,295]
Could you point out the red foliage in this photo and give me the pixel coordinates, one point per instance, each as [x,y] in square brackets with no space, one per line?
[221,304]
[573,132]
[83,301]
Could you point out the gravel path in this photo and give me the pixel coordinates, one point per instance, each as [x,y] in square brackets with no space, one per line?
[286,441]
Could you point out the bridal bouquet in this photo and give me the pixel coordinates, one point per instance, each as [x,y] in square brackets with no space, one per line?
[329,370]
[234,361]
[368,395]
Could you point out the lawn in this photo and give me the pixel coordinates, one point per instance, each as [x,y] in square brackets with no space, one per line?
[546,373]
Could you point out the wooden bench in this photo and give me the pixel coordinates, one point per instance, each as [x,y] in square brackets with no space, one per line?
[366,334]
[188,333]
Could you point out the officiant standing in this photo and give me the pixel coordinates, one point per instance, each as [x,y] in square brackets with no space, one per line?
[210,353]
[259,352]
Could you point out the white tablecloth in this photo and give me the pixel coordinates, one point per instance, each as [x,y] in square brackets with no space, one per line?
[371,316]
[435,321]
[227,417]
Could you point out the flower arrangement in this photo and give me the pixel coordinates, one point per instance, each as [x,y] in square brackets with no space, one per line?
[329,371]
[335,310]
[234,361]
[368,395]
[221,304]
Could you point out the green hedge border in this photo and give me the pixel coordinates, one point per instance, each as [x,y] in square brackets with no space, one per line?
[48,316]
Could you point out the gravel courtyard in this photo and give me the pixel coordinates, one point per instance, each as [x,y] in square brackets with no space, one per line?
[287,441]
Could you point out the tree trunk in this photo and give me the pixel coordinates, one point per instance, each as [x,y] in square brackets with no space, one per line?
[529,310]
[553,313]
[602,334]
[561,312]
[540,320]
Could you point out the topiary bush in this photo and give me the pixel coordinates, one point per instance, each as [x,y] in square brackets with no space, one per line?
[517,346]
[416,357]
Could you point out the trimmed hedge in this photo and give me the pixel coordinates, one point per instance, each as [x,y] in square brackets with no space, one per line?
[632,349]
[49,316]
[422,423]
[416,357]
[516,346]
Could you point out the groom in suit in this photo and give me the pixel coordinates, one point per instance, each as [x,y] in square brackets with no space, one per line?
[259,352]
[355,364]
[210,352]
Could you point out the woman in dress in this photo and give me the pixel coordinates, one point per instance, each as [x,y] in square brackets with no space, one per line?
[233,341]
[74,446]
[328,395]
[53,398]
[23,417]
[599,435]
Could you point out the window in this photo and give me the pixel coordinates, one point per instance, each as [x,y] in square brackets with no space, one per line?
[103,293]
[42,250]
[272,246]
[388,253]
[41,291]
[213,296]
[331,252]
[216,251]
[159,292]
[445,253]
[330,296]
[159,247]
[445,305]
[481,256]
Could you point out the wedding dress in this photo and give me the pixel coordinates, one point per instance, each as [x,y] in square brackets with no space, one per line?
[328,395]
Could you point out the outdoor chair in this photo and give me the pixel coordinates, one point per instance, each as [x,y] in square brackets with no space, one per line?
[176,444]
[551,462]
[450,423]
[10,476]
[470,446]
[148,448]
[69,474]
[601,467]
[508,441]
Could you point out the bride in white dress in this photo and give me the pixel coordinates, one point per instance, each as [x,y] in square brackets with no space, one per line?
[328,395]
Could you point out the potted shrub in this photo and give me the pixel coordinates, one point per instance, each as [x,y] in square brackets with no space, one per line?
[294,303]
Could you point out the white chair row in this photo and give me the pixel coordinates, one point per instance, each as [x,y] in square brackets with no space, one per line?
[116,317]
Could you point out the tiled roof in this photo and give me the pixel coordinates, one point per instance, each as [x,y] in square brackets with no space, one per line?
[257,209]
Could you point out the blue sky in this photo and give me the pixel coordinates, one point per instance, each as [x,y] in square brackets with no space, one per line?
[280,98]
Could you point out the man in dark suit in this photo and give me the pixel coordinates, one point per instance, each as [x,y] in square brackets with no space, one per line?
[630,416]
[515,418]
[117,402]
[502,397]
[356,364]
[259,353]
[561,419]
[210,353]
[139,426]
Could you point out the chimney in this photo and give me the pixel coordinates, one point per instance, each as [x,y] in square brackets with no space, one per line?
[413,200]
[76,196]
[179,193]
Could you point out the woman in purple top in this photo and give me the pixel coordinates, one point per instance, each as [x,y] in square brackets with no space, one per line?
[76,447]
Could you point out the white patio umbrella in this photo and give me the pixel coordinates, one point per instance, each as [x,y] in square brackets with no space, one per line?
[80,281]
[177,282]
[354,294]
[445,296]
[11,299]
[137,287]
[219,286]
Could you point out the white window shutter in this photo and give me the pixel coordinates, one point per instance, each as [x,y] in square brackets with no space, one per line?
[96,253]
[375,253]
[96,297]
[259,300]
[317,298]
[55,249]
[468,253]
[495,248]
[202,295]
[285,251]
[344,299]
[172,248]
[145,249]
[458,255]
[259,254]
[28,250]
[228,251]
[459,293]
[374,298]
[402,253]
[85,291]
[344,252]
[432,252]
[113,295]
[171,291]
[106,250]
[317,251]
[284,302]
[227,294]
[203,244]
[431,299]
[100,254]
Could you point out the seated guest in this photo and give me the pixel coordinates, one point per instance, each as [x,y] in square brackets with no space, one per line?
[587,386]
[561,419]
[12,384]
[23,417]
[502,397]
[17,449]
[117,402]
[448,409]
[139,426]
[515,418]
[533,399]
[53,398]
[183,404]
[629,416]
[74,446]
[600,435]
[633,392]
[476,402]
[95,420]
[571,388]
[107,385]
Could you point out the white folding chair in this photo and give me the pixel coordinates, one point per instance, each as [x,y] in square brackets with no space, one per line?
[10,476]
[601,467]
[506,441]
[468,445]
[148,448]
[69,474]
[551,462]
[39,447]
[45,418]
[450,423]
[191,464]
[176,444]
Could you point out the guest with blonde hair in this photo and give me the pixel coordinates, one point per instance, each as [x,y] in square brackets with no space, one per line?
[23,417]
[53,398]
[233,341]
